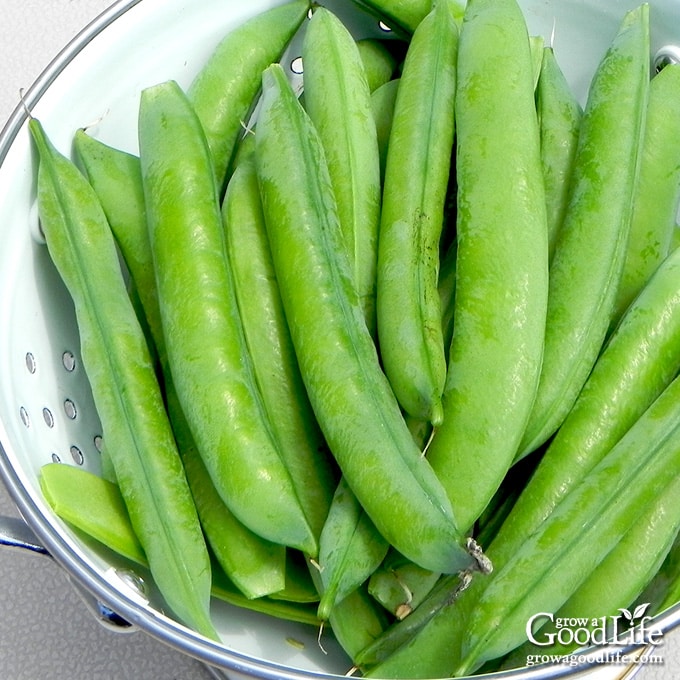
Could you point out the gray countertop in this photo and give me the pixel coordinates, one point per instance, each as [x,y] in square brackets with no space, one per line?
[45,631]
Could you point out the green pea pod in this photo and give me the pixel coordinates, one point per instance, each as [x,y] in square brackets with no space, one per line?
[416,182]
[350,395]
[379,62]
[589,255]
[637,364]
[658,193]
[127,396]
[502,264]
[536,47]
[225,89]
[556,559]
[382,102]
[350,549]
[207,351]
[609,589]
[559,116]
[663,591]
[301,443]
[338,100]
[400,586]
[407,14]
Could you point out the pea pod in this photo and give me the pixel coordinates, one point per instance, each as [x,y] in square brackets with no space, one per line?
[555,560]
[267,337]
[127,396]
[338,100]
[559,116]
[414,193]
[658,193]
[206,348]
[224,90]
[589,255]
[352,400]
[382,103]
[502,265]
[663,591]
[379,62]
[407,14]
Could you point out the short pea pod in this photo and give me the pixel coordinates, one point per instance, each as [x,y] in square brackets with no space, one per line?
[338,100]
[559,116]
[657,197]
[589,255]
[301,444]
[414,194]
[127,396]
[224,90]
[556,559]
[207,352]
[502,264]
[350,549]
[352,400]
[637,364]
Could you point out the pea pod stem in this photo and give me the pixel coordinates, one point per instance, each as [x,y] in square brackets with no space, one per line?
[353,402]
[127,395]
[589,255]
[416,181]
[206,348]
[501,282]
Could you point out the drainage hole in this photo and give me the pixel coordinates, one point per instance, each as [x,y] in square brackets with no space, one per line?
[48,417]
[30,362]
[70,409]
[23,414]
[77,455]
[69,361]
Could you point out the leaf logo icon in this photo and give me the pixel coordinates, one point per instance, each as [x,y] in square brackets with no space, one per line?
[638,613]
[626,615]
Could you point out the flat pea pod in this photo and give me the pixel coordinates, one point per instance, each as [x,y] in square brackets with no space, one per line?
[501,293]
[224,90]
[559,116]
[556,559]
[207,352]
[300,442]
[414,195]
[350,549]
[637,364]
[126,392]
[657,196]
[338,100]
[589,254]
[379,62]
[352,400]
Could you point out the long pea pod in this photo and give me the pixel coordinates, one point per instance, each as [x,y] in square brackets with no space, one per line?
[256,566]
[589,254]
[301,444]
[414,194]
[206,348]
[556,559]
[657,198]
[663,591]
[559,117]
[382,102]
[338,101]
[501,283]
[352,400]
[224,91]
[127,395]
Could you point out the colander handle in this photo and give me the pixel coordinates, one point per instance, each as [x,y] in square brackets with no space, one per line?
[15,533]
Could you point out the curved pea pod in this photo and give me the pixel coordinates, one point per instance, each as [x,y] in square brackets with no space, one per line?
[352,400]
[637,364]
[300,442]
[126,393]
[589,255]
[400,586]
[224,90]
[611,589]
[414,195]
[555,560]
[382,103]
[350,549]
[502,264]
[559,117]
[338,101]
[379,62]
[657,197]
[207,351]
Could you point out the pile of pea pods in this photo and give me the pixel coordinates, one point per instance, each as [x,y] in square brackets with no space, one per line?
[398,355]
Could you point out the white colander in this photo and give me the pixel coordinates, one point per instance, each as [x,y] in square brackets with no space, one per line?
[46,409]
